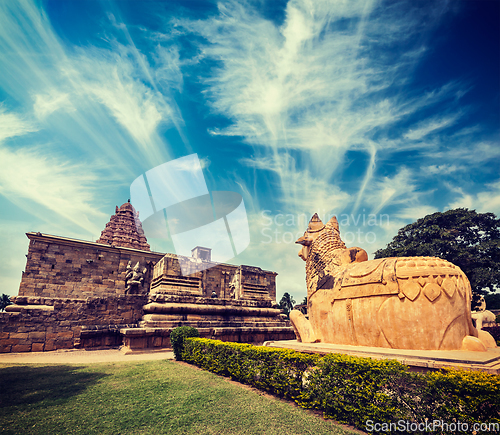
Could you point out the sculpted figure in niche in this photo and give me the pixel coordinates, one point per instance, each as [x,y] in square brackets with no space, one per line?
[134,279]
[402,303]
[234,286]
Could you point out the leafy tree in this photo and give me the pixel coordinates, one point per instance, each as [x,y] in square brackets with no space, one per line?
[492,301]
[468,239]
[4,301]
[287,303]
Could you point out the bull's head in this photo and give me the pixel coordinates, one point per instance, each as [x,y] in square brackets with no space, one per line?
[314,229]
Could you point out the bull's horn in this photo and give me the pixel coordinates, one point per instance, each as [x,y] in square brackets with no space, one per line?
[315,224]
[333,223]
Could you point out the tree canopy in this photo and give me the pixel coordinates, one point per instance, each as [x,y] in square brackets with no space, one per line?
[464,237]
[287,303]
[4,301]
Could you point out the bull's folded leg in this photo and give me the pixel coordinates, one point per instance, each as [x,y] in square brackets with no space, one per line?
[302,327]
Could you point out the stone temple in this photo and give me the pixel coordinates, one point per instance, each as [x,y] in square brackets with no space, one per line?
[117,292]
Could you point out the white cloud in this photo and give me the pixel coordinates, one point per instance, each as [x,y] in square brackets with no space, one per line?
[300,190]
[468,151]
[398,189]
[103,100]
[430,126]
[114,80]
[28,176]
[12,125]
[332,78]
[47,103]
[485,201]
[413,213]
[443,169]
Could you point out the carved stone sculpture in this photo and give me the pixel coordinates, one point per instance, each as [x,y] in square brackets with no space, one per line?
[235,285]
[134,279]
[403,303]
[482,315]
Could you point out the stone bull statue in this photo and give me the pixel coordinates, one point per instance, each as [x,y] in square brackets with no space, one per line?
[403,303]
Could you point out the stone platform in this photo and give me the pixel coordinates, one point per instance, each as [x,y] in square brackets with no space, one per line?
[138,339]
[417,360]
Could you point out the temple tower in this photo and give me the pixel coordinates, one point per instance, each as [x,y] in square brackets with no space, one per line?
[124,229]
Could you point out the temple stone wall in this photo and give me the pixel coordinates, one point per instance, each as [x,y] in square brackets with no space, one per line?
[73,294]
[58,267]
[43,324]
[224,281]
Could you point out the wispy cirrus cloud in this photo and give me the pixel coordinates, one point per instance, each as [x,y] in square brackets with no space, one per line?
[109,95]
[331,78]
[314,194]
[47,103]
[12,124]
[430,126]
[486,200]
[400,189]
[30,179]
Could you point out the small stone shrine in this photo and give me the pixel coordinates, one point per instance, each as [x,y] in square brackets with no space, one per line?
[116,291]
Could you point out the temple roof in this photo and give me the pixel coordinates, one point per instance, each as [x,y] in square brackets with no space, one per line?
[125,229]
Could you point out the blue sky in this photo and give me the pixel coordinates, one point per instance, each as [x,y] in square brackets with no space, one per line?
[379,112]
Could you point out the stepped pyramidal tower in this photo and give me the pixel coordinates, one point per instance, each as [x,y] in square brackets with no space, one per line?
[124,229]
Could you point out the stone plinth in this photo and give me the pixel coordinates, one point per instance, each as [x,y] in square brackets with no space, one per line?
[144,339]
[225,302]
[417,360]
[243,321]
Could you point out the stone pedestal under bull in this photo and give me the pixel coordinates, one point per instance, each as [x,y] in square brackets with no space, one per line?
[402,303]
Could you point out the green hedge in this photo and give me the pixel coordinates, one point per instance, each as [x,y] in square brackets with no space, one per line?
[177,339]
[279,371]
[355,390]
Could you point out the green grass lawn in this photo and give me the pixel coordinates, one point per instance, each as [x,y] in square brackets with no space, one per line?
[153,397]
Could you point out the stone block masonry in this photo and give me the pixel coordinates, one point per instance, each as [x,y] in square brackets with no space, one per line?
[43,324]
[59,267]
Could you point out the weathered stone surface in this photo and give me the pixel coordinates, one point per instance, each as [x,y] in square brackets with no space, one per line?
[21,348]
[73,277]
[37,347]
[401,303]
[62,327]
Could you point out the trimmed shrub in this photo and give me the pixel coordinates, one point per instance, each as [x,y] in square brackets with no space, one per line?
[353,390]
[357,391]
[279,371]
[177,337]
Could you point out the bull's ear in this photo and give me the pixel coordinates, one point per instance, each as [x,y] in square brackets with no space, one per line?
[304,240]
[333,223]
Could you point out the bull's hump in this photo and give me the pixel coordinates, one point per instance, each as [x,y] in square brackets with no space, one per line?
[407,267]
